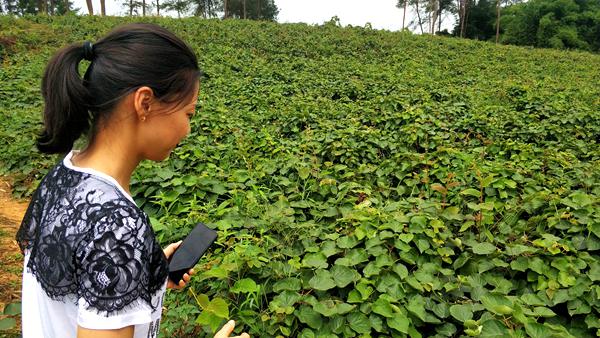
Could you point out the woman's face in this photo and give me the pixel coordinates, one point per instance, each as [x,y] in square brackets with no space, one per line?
[165,127]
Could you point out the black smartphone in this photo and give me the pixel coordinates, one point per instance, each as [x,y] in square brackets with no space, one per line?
[190,250]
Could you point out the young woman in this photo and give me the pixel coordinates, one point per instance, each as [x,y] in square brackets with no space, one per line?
[93,267]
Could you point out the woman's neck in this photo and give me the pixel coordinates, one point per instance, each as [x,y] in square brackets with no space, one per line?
[112,158]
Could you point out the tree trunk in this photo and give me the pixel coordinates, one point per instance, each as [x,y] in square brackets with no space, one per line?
[466,15]
[67,5]
[226,10]
[43,7]
[259,15]
[440,19]
[404,14]
[157,8]
[434,15]
[498,21]
[90,7]
[130,7]
[419,16]
[462,13]
[143,7]
[244,5]
[103,7]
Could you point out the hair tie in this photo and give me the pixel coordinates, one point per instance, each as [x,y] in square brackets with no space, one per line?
[88,51]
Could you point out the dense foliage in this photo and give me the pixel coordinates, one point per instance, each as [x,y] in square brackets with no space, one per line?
[560,24]
[363,183]
[573,24]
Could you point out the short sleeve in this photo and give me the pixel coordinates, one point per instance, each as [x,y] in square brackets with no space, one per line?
[121,270]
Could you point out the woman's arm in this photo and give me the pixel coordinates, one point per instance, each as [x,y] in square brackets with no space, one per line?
[125,332]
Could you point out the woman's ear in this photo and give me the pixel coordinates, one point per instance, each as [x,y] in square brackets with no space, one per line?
[142,102]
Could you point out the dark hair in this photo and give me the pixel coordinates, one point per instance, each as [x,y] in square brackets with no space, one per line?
[129,57]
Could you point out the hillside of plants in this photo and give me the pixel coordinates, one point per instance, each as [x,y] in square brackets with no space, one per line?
[363,183]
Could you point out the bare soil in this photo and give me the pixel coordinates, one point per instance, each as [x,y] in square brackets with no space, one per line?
[11,214]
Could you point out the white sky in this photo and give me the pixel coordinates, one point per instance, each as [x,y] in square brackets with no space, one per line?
[382,14]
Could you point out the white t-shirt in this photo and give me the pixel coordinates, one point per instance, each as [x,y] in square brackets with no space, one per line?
[91,258]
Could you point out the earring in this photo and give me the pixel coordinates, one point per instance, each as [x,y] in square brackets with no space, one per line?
[143,118]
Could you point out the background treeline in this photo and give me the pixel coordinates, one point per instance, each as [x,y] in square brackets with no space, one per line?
[562,24]
[364,183]
[242,9]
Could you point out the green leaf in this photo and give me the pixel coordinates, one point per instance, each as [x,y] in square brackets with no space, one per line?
[532,299]
[322,280]
[401,270]
[594,272]
[326,307]
[210,319]
[343,275]
[303,172]
[353,257]
[364,289]
[494,329]
[416,306]
[315,260]
[215,272]
[245,285]
[346,242]
[203,301]
[520,264]
[371,269]
[471,192]
[291,284]
[343,308]
[543,311]
[7,323]
[359,322]
[309,316]
[328,248]
[354,297]
[399,323]
[461,312]
[497,304]
[12,309]
[219,307]
[383,307]
[519,249]
[484,248]
[406,238]
[537,330]
[452,213]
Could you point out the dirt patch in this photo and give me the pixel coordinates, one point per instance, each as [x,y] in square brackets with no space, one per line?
[11,214]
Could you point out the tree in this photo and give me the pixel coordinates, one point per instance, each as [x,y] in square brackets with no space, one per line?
[463,10]
[207,8]
[103,7]
[562,24]
[25,7]
[402,4]
[180,6]
[430,11]
[253,10]
[89,7]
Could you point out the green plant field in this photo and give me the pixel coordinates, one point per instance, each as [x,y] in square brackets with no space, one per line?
[364,183]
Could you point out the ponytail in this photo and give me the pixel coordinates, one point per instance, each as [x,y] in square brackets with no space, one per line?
[65,97]
[129,57]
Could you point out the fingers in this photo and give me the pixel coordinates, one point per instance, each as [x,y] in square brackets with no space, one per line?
[170,249]
[226,330]
[182,282]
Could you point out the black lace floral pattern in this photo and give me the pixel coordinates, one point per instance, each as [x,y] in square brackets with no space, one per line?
[87,239]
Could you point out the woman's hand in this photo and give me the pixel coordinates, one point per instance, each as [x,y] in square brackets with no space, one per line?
[169,250]
[227,329]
